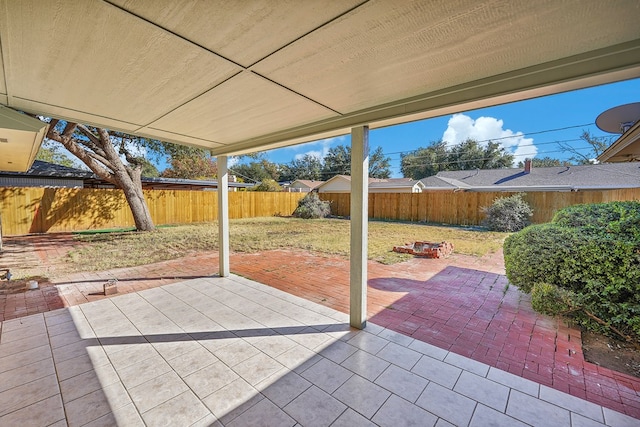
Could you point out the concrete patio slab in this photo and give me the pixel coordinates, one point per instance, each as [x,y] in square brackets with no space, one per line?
[268,359]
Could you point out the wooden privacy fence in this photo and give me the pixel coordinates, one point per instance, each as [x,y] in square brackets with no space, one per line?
[464,208]
[42,210]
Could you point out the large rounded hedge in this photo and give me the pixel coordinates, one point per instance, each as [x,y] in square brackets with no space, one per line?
[591,251]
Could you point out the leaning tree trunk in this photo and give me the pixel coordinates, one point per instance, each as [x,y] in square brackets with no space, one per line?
[137,203]
[99,154]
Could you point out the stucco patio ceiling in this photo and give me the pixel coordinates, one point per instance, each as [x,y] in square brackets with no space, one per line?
[237,76]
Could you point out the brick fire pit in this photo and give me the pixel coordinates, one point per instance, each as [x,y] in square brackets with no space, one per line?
[426,249]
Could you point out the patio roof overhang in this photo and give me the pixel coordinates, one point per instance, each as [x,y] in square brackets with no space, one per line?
[624,149]
[236,77]
[20,139]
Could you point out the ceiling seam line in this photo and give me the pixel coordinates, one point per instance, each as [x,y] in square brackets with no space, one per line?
[142,18]
[193,137]
[139,127]
[297,93]
[4,63]
[309,32]
[191,100]
[71,109]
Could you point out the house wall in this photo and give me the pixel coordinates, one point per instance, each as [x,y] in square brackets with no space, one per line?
[299,187]
[338,185]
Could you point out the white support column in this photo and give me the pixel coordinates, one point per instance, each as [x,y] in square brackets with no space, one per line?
[223,216]
[359,225]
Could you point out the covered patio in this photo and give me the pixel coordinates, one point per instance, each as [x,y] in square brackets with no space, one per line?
[245,76]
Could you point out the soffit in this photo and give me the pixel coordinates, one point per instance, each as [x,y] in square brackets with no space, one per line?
[624,149]
[20,138]
[241,76]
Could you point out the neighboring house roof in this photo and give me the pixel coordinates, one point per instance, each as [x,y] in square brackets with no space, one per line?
[311,184]
[348,178]
[567,178]
[436,183]
[50,170]
[56,173]
[186,184]
[395,183]
[378,183]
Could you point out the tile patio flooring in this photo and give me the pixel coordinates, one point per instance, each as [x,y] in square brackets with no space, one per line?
[234,352]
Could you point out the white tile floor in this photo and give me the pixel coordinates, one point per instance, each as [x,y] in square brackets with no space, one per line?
[233,352]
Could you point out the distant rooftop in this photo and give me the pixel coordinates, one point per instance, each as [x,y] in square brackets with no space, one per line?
[581,177]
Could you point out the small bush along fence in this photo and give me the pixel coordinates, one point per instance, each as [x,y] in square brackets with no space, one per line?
[507,214]
[311,207]
[585,263]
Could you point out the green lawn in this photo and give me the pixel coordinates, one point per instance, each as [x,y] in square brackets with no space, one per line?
[329,236]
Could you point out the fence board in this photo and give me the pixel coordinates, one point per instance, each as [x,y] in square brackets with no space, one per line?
[42,210]
[464,208]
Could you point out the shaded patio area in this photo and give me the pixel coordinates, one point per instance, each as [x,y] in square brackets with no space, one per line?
[231,351]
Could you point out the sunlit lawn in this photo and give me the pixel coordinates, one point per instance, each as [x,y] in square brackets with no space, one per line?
[328,236]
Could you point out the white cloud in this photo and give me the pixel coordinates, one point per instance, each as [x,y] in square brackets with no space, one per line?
[462,127]
[321,147]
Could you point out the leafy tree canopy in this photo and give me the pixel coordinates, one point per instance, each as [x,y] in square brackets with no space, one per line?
[470,154]
[196,165]
[51,152]
[546,162]
[306,167]
[257,171]
[338,162]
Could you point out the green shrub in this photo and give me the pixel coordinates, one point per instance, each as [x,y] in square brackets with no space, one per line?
[507,214]
[596,260]
[310,206]
[267,185]
[616,218]
[538,253]
[550,299]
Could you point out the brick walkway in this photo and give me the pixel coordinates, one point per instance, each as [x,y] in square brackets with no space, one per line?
[461,304]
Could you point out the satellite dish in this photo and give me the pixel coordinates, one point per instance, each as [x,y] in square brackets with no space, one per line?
[619,119]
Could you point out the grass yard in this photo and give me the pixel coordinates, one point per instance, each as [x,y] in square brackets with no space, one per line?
[329,236]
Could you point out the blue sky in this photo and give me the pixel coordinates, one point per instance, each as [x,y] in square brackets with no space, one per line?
[527,121]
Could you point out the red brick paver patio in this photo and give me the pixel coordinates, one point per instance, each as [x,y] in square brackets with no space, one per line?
[461,304]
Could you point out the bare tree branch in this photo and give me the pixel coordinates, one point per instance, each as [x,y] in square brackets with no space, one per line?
[93,142]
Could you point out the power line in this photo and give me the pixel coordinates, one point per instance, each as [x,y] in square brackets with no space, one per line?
[345,168]
[486,158]
[513,136]
[243,176]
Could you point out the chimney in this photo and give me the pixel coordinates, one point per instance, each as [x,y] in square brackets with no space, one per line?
[527,165]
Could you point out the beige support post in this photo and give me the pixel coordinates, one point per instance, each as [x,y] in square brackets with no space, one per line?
[359,225]
[223,216]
